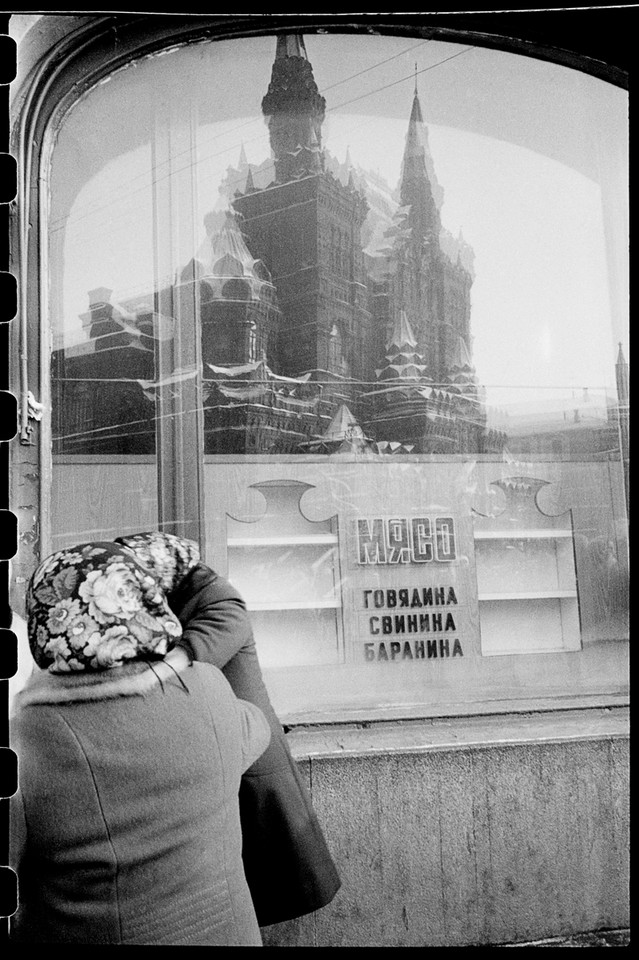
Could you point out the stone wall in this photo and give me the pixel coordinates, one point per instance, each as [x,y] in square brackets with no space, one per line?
[473,844]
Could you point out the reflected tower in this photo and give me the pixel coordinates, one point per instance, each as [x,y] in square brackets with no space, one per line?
[306,228]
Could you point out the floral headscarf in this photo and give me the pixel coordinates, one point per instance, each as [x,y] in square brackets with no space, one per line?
[93,607]
[168,557]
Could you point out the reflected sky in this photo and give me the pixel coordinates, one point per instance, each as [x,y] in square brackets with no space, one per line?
[519,147]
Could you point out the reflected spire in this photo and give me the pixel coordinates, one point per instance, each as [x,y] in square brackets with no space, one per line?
[249,187]
[403,361]
[402,335]
[622,372]
[294,111]
[461,357]
[290,45]
[418,176]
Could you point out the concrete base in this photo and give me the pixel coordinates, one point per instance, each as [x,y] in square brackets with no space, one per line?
[486,830]
[600,938]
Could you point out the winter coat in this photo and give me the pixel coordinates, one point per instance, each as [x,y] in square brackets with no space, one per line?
[289,869]
[126,828]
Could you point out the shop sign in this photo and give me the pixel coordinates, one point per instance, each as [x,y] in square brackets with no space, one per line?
[405,588]
[393,540]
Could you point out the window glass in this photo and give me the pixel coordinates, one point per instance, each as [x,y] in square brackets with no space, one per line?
[351,311]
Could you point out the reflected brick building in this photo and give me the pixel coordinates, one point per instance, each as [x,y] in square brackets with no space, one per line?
[301,325]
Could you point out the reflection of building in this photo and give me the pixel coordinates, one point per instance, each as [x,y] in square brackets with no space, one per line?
[582,426]
[100,403]
[298,318]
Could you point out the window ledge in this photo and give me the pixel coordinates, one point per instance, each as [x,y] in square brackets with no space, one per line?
[458,733]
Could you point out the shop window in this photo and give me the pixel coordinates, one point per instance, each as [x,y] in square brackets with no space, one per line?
[377,425]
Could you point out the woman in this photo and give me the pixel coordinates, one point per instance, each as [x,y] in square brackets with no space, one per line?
[126,827]
[288,867]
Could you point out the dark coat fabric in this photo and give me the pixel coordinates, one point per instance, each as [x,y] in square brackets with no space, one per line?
[126,828]
[288,866]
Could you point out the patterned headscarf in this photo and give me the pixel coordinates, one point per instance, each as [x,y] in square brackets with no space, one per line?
[94,607]
[168,557]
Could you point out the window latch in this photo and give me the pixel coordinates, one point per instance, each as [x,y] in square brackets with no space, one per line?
[32,410]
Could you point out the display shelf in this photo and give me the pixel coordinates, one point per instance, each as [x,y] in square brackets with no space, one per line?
[292,604]
[283,541]
[285,574]
[525,566]
[532,649]
[287,569]
[546,534]
[529,595]
[538,625]
[526,579]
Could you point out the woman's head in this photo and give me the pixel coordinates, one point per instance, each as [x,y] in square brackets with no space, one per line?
[167,556]
[94,607]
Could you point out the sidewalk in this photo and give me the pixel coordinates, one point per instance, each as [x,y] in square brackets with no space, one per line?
[600,938]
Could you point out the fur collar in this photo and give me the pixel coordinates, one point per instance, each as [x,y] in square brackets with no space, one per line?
[131,679]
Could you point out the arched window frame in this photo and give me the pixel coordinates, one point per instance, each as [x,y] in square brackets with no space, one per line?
[80,51]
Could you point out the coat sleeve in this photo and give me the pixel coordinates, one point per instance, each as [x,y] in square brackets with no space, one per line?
[215,622]
[255,732]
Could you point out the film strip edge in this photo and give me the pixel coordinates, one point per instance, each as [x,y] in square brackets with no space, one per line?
[8,430]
